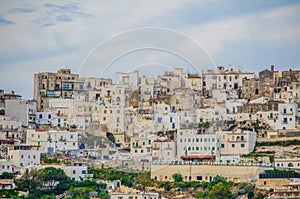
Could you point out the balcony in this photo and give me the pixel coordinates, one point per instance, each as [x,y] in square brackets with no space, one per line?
[237,140]
[287,112]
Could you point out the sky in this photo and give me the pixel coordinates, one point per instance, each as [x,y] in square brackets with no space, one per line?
[100,38]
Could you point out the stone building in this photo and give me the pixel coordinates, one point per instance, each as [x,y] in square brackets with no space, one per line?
[49,85]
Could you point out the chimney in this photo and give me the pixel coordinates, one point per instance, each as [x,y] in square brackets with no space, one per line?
[272,68]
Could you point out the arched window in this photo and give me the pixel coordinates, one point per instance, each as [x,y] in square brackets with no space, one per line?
[49,116]
[290,165]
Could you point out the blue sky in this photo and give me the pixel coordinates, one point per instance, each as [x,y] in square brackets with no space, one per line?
[47,35]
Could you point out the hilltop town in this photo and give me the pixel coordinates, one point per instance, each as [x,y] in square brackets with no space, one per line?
[178,135]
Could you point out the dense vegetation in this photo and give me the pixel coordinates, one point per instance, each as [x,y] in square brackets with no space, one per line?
[218,188]
[48,182]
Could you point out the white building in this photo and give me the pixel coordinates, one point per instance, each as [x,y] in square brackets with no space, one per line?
[287,116]
[44,118]
[192,142]
[21,110]
[10,129]
[287,163]
[78,171]
[131,79]
[6,166]
[233,104]
[163,150]
[24,155]
[230,79]
[53,141]
[167,122]
[210,114]
[61,110]
[141,147]
[135,195]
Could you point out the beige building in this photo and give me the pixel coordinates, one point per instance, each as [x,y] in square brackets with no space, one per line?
[49,85]
[237,142]
[206,173]
[24,155]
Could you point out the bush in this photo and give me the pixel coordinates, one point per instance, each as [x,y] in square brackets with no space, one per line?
[177,177]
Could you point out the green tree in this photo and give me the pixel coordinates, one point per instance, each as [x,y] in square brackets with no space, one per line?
[103,194]
[110,137]
[177,177]
[52,196]
[220,191]
[201,195]
[30,180]
[6,175]
[216,180]
[53,176]
[167,186]
[259,195]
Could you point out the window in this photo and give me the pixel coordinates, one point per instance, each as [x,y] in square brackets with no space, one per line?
[83,172]
[242,145]
[74,171]
[197,139]
[180,140]
[233,145]
[222,146]
[173,126]
[199,177]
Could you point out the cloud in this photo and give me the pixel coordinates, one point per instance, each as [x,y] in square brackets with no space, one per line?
[55,13]
[274,26]
[58,33]
[22,10]
[4,21]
